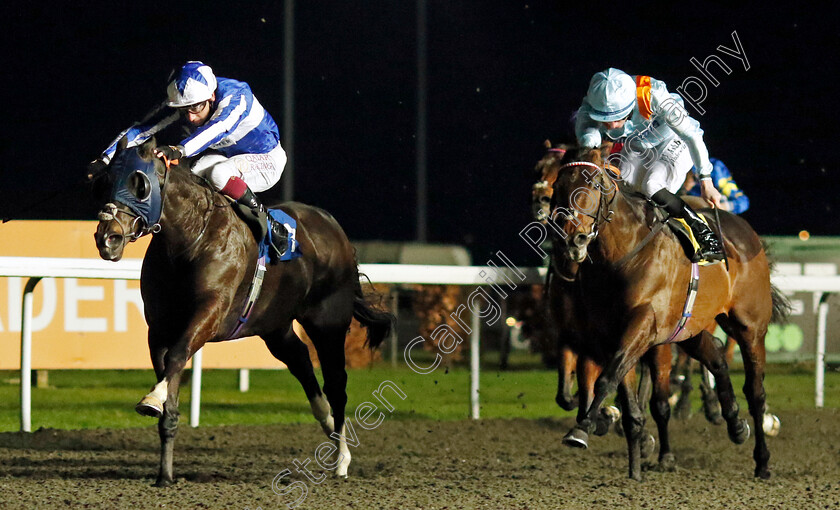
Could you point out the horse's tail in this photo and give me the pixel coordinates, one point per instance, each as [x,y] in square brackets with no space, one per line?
[377,321]
[781,304]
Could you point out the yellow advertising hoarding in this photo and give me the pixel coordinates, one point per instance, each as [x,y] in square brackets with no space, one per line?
[89,323]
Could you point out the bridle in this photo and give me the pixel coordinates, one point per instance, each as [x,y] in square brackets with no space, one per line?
[604,212]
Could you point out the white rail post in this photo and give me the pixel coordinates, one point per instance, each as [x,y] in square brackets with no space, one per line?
[244,379]
[475,337]
[195,385]
[822,319]
[26,356]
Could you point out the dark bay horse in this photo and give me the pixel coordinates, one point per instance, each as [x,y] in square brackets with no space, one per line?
[196,277]
[624,303]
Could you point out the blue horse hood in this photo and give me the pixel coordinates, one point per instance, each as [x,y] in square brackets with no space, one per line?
[136,185]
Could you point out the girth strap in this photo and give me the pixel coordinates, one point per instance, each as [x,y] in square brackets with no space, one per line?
[253,295]
[693,285]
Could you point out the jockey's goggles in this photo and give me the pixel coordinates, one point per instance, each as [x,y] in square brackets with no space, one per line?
[193,108]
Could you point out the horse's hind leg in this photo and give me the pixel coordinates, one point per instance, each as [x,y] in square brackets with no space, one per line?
[704,348]
[288,348]
[326,324]
[658,360]
[751,341]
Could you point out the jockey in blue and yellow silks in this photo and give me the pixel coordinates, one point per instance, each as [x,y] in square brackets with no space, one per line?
[234,140]
[661,143]
[734,200]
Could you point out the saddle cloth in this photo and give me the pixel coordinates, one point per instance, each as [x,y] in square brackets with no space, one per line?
[292,248]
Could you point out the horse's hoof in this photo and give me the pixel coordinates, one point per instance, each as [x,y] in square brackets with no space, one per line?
[150,406]
[343,466]
[667,462]
[762,472]
[566,404]
[712,412]
[648,446]
[606,417]
[740,432]
[771,425]
[618,428]
[682,409]
[163,482]
[576,438]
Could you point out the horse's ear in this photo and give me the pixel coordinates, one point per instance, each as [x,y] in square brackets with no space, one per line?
[547,144]
[147,148]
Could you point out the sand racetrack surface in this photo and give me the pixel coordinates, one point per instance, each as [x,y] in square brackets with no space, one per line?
[494,464]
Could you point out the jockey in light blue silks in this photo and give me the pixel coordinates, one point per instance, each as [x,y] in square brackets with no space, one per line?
[235,141]
[661,142]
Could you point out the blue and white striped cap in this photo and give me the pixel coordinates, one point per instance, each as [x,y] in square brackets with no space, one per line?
[611,95]
[193,84]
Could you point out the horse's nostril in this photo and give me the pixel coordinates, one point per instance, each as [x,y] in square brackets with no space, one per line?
[113,240]
[580,239]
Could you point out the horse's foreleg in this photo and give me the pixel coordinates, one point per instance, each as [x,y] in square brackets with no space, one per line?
[633,422]
[711,406]
[167,428]
[634,343]
[659,361]
[565,373]
[169,359]
[703,347]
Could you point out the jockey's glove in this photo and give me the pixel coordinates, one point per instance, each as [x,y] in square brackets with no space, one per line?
[170,152]
[95,168]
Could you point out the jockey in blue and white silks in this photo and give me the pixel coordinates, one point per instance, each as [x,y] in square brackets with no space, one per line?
[733,199]
[235,140]
[661,143]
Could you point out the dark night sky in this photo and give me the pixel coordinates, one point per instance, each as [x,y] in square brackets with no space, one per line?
[503,76]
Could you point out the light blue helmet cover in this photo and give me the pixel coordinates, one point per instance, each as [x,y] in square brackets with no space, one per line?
[136,185]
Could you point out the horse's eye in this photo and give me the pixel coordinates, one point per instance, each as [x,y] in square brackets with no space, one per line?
[139,185]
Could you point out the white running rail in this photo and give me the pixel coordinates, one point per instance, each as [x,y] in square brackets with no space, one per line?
[36,268]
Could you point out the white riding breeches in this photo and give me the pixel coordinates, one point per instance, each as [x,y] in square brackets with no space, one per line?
[259,171]
[660,167]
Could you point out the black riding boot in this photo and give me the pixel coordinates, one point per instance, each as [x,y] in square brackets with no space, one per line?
[252,211]
[710,250]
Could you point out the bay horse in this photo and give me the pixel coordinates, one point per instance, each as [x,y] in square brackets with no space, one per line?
[197,275]
[629,290]
[570,364]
